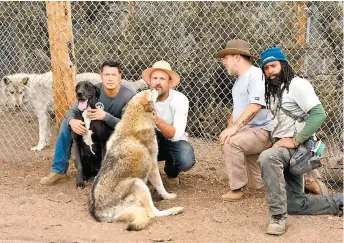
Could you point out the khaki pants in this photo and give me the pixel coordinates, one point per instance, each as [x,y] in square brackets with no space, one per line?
[241,155]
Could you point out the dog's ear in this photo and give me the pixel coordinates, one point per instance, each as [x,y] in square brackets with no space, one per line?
[148,105]
[6,80]
[25,80]
[96,91]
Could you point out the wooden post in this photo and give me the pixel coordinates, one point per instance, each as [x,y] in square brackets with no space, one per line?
[62,56]
[132,8]
[301,35]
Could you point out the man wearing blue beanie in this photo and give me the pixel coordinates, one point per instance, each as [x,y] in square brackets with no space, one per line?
[297,114]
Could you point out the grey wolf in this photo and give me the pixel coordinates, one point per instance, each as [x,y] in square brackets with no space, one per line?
[25,91]
[89,148]
[119,191]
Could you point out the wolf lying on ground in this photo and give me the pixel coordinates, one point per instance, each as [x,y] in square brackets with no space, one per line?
[119,191]
[36,90]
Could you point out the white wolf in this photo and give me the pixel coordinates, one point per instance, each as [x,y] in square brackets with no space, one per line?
[36,91]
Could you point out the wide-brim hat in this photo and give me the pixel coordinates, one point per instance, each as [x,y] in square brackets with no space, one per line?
[236,47]
[163,66]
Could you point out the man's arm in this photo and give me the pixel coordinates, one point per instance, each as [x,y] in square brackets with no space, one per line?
[165,128]
[76,125]
[180,114]
[230,121]
[316,117]
[71,112]
[245,117]
[110,120]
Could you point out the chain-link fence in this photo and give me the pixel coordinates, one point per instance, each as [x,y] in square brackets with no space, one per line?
[186,34]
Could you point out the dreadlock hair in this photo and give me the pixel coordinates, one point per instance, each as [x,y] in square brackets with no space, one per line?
[285,77]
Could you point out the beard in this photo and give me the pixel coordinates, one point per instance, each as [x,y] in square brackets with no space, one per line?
[274,85]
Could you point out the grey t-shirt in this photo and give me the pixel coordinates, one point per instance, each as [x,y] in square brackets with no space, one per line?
[112,106]
[249,88]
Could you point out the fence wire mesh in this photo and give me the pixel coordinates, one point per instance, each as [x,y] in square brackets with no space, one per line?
[186,34]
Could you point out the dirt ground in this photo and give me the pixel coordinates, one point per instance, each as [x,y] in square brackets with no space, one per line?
[33,213]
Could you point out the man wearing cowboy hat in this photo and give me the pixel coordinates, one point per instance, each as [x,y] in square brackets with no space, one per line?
[170,119]
[247,133]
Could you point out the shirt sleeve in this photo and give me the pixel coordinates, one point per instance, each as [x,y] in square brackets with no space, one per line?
[303,94]
[316,117]
[112,120]
[256,89]
[71,112]
[180,118]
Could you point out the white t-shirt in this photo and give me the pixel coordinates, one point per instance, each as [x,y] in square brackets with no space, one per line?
[174,111]
[299,100]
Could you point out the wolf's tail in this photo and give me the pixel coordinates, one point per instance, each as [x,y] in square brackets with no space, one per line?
[140,221]
[136,215]
[92,201]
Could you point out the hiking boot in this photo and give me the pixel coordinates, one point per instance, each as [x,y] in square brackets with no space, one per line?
[53,178]
[173,181]
[233,195]
[313,183]
[277,224]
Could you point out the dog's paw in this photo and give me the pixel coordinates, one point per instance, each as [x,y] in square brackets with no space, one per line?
[169,196]
[39,147]
[80,185]
[176,210]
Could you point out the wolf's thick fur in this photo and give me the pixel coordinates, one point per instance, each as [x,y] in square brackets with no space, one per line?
[119,192]
[36,90]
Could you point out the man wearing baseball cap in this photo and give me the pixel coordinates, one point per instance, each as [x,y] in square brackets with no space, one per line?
[170,119]
[249,125]
[297,114]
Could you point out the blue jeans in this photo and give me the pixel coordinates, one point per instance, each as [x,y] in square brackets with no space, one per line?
[179,156]
[284,190]
[62,149]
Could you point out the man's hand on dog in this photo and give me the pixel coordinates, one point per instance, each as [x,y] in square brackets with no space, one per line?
[96,114]
[155,116]
[78,126]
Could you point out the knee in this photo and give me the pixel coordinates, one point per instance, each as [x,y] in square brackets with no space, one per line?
[186,156]
[264,158]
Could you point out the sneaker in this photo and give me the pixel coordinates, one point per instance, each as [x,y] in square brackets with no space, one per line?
[233,195]
[277,224]
[53,178]
[173,181]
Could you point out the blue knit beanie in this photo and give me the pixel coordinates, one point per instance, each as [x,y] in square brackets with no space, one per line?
[272,54]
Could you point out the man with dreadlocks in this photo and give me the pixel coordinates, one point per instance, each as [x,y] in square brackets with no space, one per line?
[249,125]
[288,97]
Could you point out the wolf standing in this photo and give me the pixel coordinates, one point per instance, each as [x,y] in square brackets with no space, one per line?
[113,97]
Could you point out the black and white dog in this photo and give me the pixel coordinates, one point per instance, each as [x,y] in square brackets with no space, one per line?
[90,147]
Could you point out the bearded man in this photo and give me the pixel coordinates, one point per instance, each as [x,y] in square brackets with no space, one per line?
[297,114]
